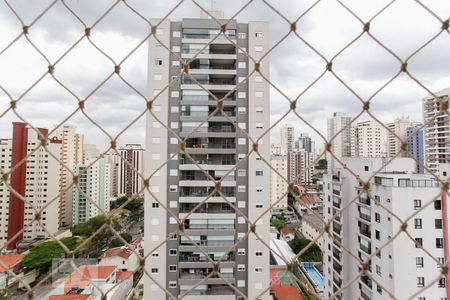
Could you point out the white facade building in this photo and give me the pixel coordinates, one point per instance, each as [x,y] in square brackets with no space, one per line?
[437,128]
[366,225]
[287,137]
[368,139]
[36,180]
[340,146]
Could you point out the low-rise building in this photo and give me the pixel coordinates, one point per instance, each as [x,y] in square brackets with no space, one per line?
[10,262]
[312,227]
[305,203]
[122,257]
[287,233]
[94,280]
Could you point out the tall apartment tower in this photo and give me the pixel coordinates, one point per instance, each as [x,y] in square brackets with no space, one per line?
[415,146]
[71,155]
[36,180]
[131,166]
[399,127]
[306,143]
[300,164]
[437,144]
[366,225]
[278,183]
[93,195]
[217,147]
[287,137]
[368,139]
[340,146]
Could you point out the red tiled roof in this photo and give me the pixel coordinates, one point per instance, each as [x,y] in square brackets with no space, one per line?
[123,252]
[10,260]
[68,297]
[89,272]
[286,230]
[309,200]
[122,275]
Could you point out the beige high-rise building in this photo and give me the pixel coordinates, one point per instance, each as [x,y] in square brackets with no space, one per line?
[399,127]
[278,179]
[437,127]
[71,155]
[287,137]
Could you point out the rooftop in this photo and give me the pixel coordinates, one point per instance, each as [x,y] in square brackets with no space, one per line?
[313,220]
[10,260]
[68,297]
[123,252]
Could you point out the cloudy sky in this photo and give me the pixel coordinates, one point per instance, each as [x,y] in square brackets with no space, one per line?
[328,27]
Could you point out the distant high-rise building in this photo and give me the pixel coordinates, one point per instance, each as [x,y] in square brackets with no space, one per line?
[287,137]
[437,126]
[113,159]
[300,166]
[306,143]
[415,146]
[70,156]
[36,180]
[278,183]
[92,198]
[215,144]
[367,229]
[131,166]
[340,146]
[368,139]
[397,130]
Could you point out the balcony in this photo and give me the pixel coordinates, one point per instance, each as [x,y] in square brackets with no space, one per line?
[208,208]
[212,290]
[366,249]
[191,257]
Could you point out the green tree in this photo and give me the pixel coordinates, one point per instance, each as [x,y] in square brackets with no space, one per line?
[322,164]
[41,256]
[100,239]
[313,253]
[278,223]
[133,205]
[117,242]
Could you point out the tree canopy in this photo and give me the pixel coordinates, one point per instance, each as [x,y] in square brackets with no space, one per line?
[313,253]
[279,223]
[41,256]
[133,205]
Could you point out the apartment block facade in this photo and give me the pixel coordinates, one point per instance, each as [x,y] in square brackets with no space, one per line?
[131,165]
[339,127]
[278,180]
[70,156]
[92,196]
[415,146]
[368,139]
[366,224]
[437,130]
[217,146]
[36,180]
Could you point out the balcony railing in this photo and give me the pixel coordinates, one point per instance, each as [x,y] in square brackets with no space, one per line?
[210,82]
[215,243]
[184,258]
